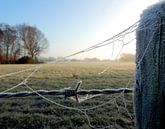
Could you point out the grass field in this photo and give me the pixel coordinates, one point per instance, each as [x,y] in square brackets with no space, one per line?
[36,113]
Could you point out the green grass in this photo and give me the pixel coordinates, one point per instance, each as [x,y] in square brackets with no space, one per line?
[36,113]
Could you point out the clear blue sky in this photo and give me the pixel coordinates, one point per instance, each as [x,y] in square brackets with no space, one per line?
[71,25]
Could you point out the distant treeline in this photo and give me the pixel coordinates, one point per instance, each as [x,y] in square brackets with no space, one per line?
[125,57]
[21,43]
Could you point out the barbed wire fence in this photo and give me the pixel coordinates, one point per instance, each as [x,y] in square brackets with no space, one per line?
[75,92]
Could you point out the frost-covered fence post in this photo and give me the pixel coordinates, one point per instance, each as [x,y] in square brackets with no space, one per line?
[149,92]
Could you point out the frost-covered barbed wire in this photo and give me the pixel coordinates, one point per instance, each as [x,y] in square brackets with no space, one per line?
[64,92]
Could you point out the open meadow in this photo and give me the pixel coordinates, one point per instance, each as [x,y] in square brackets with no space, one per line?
[36,113]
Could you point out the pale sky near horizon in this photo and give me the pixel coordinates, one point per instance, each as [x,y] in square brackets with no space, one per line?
[72,25]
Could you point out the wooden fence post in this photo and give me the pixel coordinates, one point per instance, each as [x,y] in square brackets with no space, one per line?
[149,92]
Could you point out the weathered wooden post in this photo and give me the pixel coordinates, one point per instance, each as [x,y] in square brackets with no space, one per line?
[149,92]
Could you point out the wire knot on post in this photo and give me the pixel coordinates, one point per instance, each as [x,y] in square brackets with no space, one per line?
[73,92]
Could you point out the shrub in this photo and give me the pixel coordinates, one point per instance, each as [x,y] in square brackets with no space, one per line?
[26,60]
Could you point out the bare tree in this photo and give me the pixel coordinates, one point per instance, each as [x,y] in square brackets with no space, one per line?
[9,42]
[1,34]
[34,41]
[9,46]
[1,47]
[20,41]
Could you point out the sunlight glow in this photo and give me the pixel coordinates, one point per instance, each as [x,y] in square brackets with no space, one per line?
[114,24]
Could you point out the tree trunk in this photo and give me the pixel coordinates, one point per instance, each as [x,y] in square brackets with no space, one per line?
[149,92]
